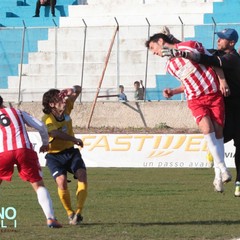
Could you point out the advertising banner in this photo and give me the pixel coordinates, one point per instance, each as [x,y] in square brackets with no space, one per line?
[143,150]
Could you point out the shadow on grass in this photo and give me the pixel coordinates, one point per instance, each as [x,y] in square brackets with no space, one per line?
[214,222]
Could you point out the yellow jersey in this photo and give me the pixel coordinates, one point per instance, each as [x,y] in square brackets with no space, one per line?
[56,144]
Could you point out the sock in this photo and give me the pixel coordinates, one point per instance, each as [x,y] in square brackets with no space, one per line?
[217,173]
[216,147]
[45,202]
[220,148]
[81,196]
[64,196]
[221,151]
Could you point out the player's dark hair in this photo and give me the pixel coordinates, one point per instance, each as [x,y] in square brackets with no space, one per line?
[51,96]
[1,101]
[156,37]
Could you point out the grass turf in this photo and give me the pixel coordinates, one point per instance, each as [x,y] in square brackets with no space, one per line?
[129,204]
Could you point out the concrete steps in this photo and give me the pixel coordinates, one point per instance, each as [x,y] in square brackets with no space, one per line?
[13,16]
[58,60]
[28,11]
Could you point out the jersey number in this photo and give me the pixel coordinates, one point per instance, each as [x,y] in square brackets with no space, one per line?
[4,120]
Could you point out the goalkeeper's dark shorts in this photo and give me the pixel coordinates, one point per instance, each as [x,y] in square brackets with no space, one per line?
[69,160]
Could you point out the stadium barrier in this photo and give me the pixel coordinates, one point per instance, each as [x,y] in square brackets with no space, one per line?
[143,150]
[35,59]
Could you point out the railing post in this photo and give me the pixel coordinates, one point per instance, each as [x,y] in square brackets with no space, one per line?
[182,28]
[214,31]
[146,66]
[21,63]
[83,56]
[118,53]
[55,54]
[182,38]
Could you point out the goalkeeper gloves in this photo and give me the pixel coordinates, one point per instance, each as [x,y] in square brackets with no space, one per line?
[171,52]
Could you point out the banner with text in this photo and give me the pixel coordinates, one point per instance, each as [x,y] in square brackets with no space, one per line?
[143,150]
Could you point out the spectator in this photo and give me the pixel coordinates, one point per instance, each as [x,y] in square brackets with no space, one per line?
[82,2]
[122,96]
[40,3]
[139,91]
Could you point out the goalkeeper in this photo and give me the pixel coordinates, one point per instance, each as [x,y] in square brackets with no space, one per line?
[203,92]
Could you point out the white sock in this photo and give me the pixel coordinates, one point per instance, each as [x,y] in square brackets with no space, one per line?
[217,173]
[216,147]
[221,148]
[45,202]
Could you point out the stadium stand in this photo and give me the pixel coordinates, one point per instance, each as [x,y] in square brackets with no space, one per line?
[15,16]
[74,51]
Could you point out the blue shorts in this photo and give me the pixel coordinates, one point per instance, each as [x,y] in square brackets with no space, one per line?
[69,160]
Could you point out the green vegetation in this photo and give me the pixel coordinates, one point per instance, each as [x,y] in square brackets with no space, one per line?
[162,125]
[131,204]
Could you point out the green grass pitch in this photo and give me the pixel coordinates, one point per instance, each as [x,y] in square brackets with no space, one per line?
[129,204]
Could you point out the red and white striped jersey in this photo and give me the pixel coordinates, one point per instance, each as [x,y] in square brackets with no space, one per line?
[198,79]
[13,133]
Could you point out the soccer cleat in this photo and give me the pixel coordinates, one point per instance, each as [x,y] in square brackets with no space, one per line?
[70,218]
[53,223]
[218,185]
[237,189]
[226,176]
[209,158]
[75,219]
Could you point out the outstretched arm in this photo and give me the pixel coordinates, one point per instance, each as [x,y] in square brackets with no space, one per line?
[141,82]
[38,125]
[168,92]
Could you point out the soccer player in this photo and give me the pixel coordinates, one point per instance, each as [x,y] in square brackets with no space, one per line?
[227,58]
[15,148]
[62,157]
[202,88]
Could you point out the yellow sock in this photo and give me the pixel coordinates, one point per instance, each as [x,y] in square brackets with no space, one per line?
[64,196]
[81,196]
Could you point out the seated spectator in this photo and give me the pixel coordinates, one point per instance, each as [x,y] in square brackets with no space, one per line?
[122,96]
[139,91]
[82,2]
[40,3]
